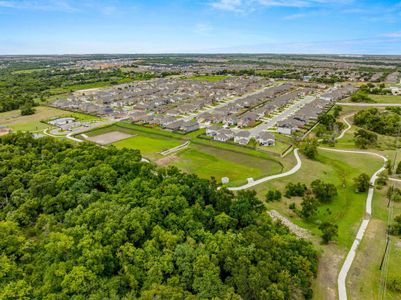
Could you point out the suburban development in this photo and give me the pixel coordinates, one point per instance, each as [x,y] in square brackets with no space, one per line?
[194,159]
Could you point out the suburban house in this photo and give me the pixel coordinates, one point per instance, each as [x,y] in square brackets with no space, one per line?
[266,139]
[242,137]
[223,135]
[61,121]
[247,119]
[174,126]
[286,127]
[138,116]
[212,130]
[189,126]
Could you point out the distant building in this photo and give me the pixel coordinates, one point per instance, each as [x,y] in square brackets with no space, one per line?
[4,130]
[242,137]
[61,121]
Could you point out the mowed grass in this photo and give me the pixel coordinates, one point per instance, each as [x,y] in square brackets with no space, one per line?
[386,98]
[210,78]
[149,147]
[346,209]
[364,280]
[209,162]
[205,158]
[16,122]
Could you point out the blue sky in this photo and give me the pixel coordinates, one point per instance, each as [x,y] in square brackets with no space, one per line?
[210,26]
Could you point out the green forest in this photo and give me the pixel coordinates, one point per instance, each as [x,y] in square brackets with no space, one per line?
[85,222]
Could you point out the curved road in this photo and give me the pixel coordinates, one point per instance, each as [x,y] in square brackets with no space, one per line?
[271,177]
[342,276]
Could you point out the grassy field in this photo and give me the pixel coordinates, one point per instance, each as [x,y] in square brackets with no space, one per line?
[365,277]
[149,146]
[210,78]
[203,157]
[386,98]
[206,161]
[346,209]
[16,122]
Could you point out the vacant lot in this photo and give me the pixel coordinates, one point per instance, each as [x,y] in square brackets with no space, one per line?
[108,138]
[386,98]
[150,147]
[209,162]
[15,121]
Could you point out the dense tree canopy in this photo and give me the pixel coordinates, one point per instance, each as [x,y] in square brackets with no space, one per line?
[85,222]
[383,122]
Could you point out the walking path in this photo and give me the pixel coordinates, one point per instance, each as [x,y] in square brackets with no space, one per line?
[175,149]
[348,126]
[342,276]
[271,177]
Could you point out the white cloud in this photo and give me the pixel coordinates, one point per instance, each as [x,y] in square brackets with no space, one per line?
[246,5]
[203,29]
[46,5]
[230,5]
[393,34]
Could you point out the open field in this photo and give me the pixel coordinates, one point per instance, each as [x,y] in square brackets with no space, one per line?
[150,147]
[211,78]
[346,210]
[108,138]
[365,277]
[203,157]
[16,122]
[206,161]
[386,98]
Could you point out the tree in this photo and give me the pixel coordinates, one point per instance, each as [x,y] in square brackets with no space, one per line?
[329,231]
[273,195]
[295,190]
[398,170]
[309,148]
[324,192]
[27,109]
[362,183]
[309,206]
[395,228]
[364,139]
[361,97]
[337,110]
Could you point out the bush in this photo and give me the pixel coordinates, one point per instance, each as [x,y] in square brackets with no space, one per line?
[324,192]
[329,231]
[27,109]
[273,195]
[362,183]
[364,138]
[309,206]
[309,148]
[361,97]
[295,190]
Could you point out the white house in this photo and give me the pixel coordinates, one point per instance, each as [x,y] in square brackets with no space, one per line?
[266,139]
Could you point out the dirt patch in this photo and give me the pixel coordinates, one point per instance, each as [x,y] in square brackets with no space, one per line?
[297,230]
[108,138]
[329,266]
[167,160]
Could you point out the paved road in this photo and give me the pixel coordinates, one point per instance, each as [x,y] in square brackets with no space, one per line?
[368,104]
[225,103]
[342,276]
[268,178]
[282,116]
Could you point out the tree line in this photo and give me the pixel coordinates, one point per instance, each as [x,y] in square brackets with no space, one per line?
[86,222]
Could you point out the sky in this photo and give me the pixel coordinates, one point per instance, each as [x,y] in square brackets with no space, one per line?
[200,26]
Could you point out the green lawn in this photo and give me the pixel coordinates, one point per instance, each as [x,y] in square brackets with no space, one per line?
[203,157]
[210,161]
[210,78]
[386,98]
[149,147]
[15,121]
[347,209]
